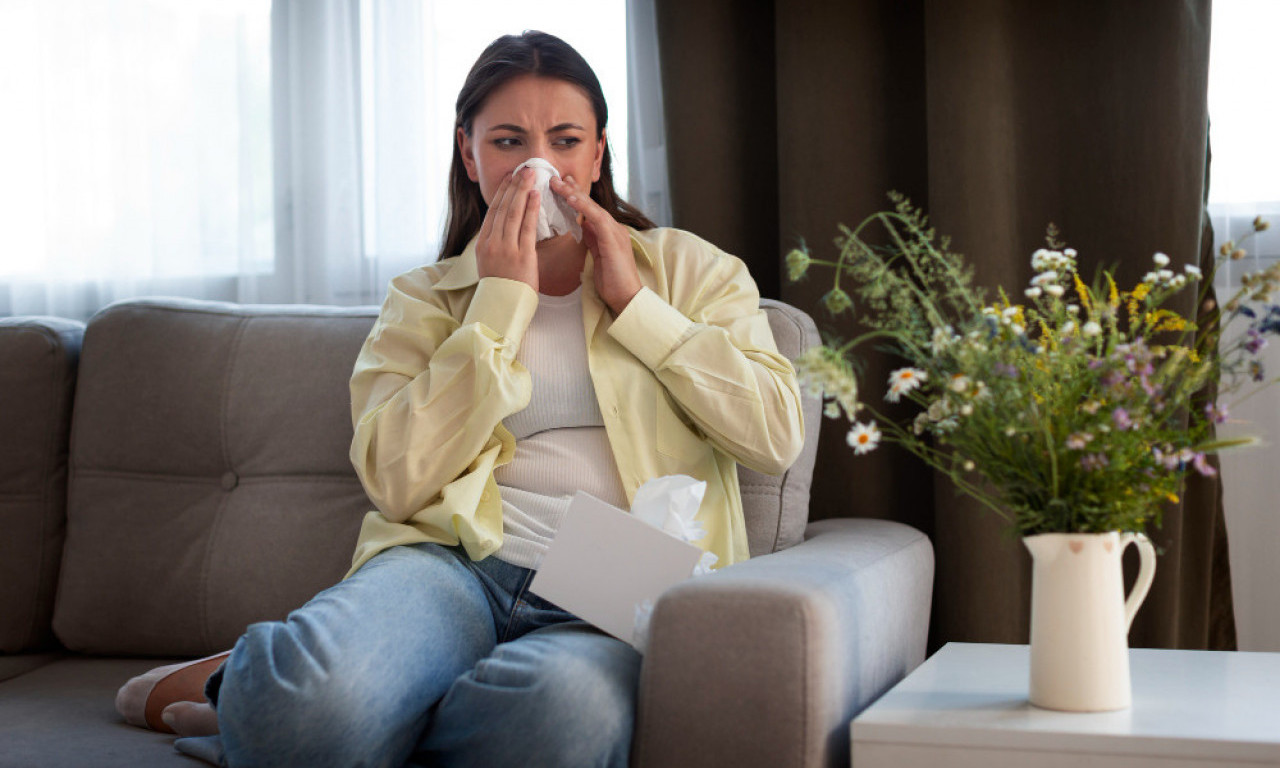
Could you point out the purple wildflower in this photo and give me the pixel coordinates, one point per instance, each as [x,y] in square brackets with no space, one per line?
[1167,460]
[1008,370]
[1121,418]
[1112,379]
[1215,413]
[1094,461]
[1202,466]
[1271,323]
[1256,371]
[1256,342]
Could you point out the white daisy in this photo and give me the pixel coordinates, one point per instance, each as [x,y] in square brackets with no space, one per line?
[903,381]
[863,438]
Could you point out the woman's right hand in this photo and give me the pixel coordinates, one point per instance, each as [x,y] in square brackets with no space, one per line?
[506,244]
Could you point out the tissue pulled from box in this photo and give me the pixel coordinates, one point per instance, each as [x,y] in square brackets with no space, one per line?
[670,504]
[555,216]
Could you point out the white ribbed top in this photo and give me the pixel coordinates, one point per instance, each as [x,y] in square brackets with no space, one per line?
[561,445]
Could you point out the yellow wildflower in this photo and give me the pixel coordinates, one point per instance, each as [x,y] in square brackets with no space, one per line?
[1083,293]
[1139,293]
[1050,340]
[1165,320]
[1113,293]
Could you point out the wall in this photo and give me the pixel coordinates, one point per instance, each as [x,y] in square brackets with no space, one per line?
[1251,494]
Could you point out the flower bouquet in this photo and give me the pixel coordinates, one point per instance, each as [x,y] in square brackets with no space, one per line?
[1074,412]
[1075,408]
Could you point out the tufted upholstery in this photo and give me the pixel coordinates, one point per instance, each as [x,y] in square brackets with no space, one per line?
[209,481]
[210,485]
[777,508]
[210,488]
[37,381]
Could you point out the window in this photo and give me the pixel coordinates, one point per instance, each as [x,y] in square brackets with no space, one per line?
[136,141]
[1244,126]
[245,150]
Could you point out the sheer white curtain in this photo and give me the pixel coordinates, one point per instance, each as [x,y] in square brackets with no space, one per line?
[647,162]
[339,116]
[294,151]
[1245,170]
[1244,183]
[135,150]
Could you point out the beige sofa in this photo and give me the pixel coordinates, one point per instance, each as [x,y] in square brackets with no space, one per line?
[177,470]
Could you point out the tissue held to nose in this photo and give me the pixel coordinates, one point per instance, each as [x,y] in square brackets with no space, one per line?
[555,216]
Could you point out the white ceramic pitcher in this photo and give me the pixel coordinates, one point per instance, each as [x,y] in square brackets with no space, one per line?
[1080,618]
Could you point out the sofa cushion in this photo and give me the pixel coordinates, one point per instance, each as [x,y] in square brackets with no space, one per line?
[209,483]
[37,380]
[63,714]
[777,508]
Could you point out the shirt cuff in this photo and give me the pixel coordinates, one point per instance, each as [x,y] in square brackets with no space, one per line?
[650,328]
[504,306]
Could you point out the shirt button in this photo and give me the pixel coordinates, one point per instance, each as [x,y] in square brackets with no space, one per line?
[484,496]
[614,409]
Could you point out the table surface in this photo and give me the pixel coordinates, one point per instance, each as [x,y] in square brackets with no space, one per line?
[1187,704]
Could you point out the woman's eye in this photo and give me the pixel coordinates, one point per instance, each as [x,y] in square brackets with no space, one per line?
[506,141]
[568,141]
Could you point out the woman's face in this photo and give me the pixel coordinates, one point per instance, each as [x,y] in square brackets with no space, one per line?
[532,116]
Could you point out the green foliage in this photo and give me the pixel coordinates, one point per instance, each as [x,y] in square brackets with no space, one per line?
[1074,411]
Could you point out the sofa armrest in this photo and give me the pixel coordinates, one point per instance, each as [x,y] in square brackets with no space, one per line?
[39,358]
[765,663]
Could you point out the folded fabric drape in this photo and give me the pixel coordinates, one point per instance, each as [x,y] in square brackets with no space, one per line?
[998,118]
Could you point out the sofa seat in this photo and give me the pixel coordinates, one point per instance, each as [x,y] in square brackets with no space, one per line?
[62,714]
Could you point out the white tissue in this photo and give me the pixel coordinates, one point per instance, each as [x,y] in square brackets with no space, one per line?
[670,504]
[555,217]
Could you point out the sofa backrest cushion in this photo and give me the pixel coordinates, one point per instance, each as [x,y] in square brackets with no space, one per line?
[38,358]
[209,484]
[777,508]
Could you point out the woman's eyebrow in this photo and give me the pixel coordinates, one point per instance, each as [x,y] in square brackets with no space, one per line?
[517,129]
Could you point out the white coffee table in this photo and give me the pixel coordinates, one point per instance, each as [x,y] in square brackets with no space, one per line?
[966,706]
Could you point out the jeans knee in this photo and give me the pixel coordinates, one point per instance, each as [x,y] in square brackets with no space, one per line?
[580,705]
[281,703]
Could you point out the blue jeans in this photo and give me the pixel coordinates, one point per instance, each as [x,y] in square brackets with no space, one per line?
[426,658]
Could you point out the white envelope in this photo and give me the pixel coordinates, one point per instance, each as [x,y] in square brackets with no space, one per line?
[603,563]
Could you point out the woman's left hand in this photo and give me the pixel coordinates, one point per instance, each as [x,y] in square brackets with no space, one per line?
[616,277]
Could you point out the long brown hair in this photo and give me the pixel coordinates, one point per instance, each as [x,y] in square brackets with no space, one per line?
[531,53]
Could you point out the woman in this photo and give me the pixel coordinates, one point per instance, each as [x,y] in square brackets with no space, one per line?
[494,385]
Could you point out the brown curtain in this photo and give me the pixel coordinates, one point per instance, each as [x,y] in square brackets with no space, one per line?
[999,116]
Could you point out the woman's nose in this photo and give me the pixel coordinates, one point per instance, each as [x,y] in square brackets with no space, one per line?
[541,149]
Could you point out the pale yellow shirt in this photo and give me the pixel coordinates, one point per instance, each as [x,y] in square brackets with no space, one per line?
[688,378]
